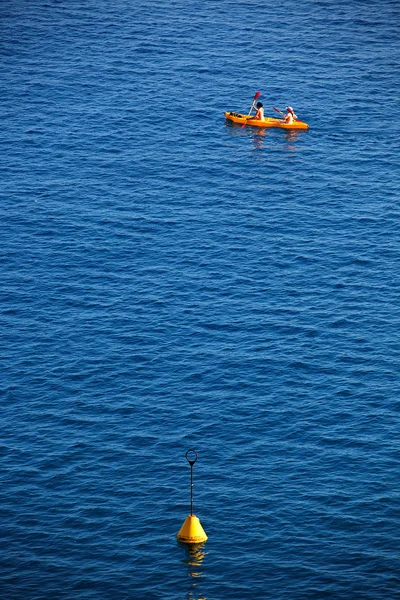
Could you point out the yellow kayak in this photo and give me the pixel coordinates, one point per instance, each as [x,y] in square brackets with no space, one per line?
[268,122]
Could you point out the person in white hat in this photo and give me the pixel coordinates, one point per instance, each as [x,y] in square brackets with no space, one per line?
[290,116]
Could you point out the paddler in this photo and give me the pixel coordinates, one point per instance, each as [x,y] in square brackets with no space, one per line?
[290,116]
[259,112]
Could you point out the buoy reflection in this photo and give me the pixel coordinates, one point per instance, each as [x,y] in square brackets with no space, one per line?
[194,556]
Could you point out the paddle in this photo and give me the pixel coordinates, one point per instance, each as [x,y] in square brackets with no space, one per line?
[282,113]
[251,108]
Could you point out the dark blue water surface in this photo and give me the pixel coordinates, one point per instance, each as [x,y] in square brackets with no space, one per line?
[173,281]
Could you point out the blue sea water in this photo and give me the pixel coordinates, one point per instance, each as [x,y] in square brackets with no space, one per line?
[173,281]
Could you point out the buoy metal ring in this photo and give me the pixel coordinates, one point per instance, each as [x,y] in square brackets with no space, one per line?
[191,462]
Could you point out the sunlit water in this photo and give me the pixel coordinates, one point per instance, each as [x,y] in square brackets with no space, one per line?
[172,281]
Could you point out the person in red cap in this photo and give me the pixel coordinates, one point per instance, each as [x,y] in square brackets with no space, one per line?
[290,116]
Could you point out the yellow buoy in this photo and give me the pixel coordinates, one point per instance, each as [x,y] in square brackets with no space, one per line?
[191,531]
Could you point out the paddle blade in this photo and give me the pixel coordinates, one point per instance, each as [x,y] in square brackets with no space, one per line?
[257,95]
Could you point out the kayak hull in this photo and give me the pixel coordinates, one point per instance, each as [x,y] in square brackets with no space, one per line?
[268,122]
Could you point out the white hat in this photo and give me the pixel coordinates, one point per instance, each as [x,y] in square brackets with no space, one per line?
[289,108]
